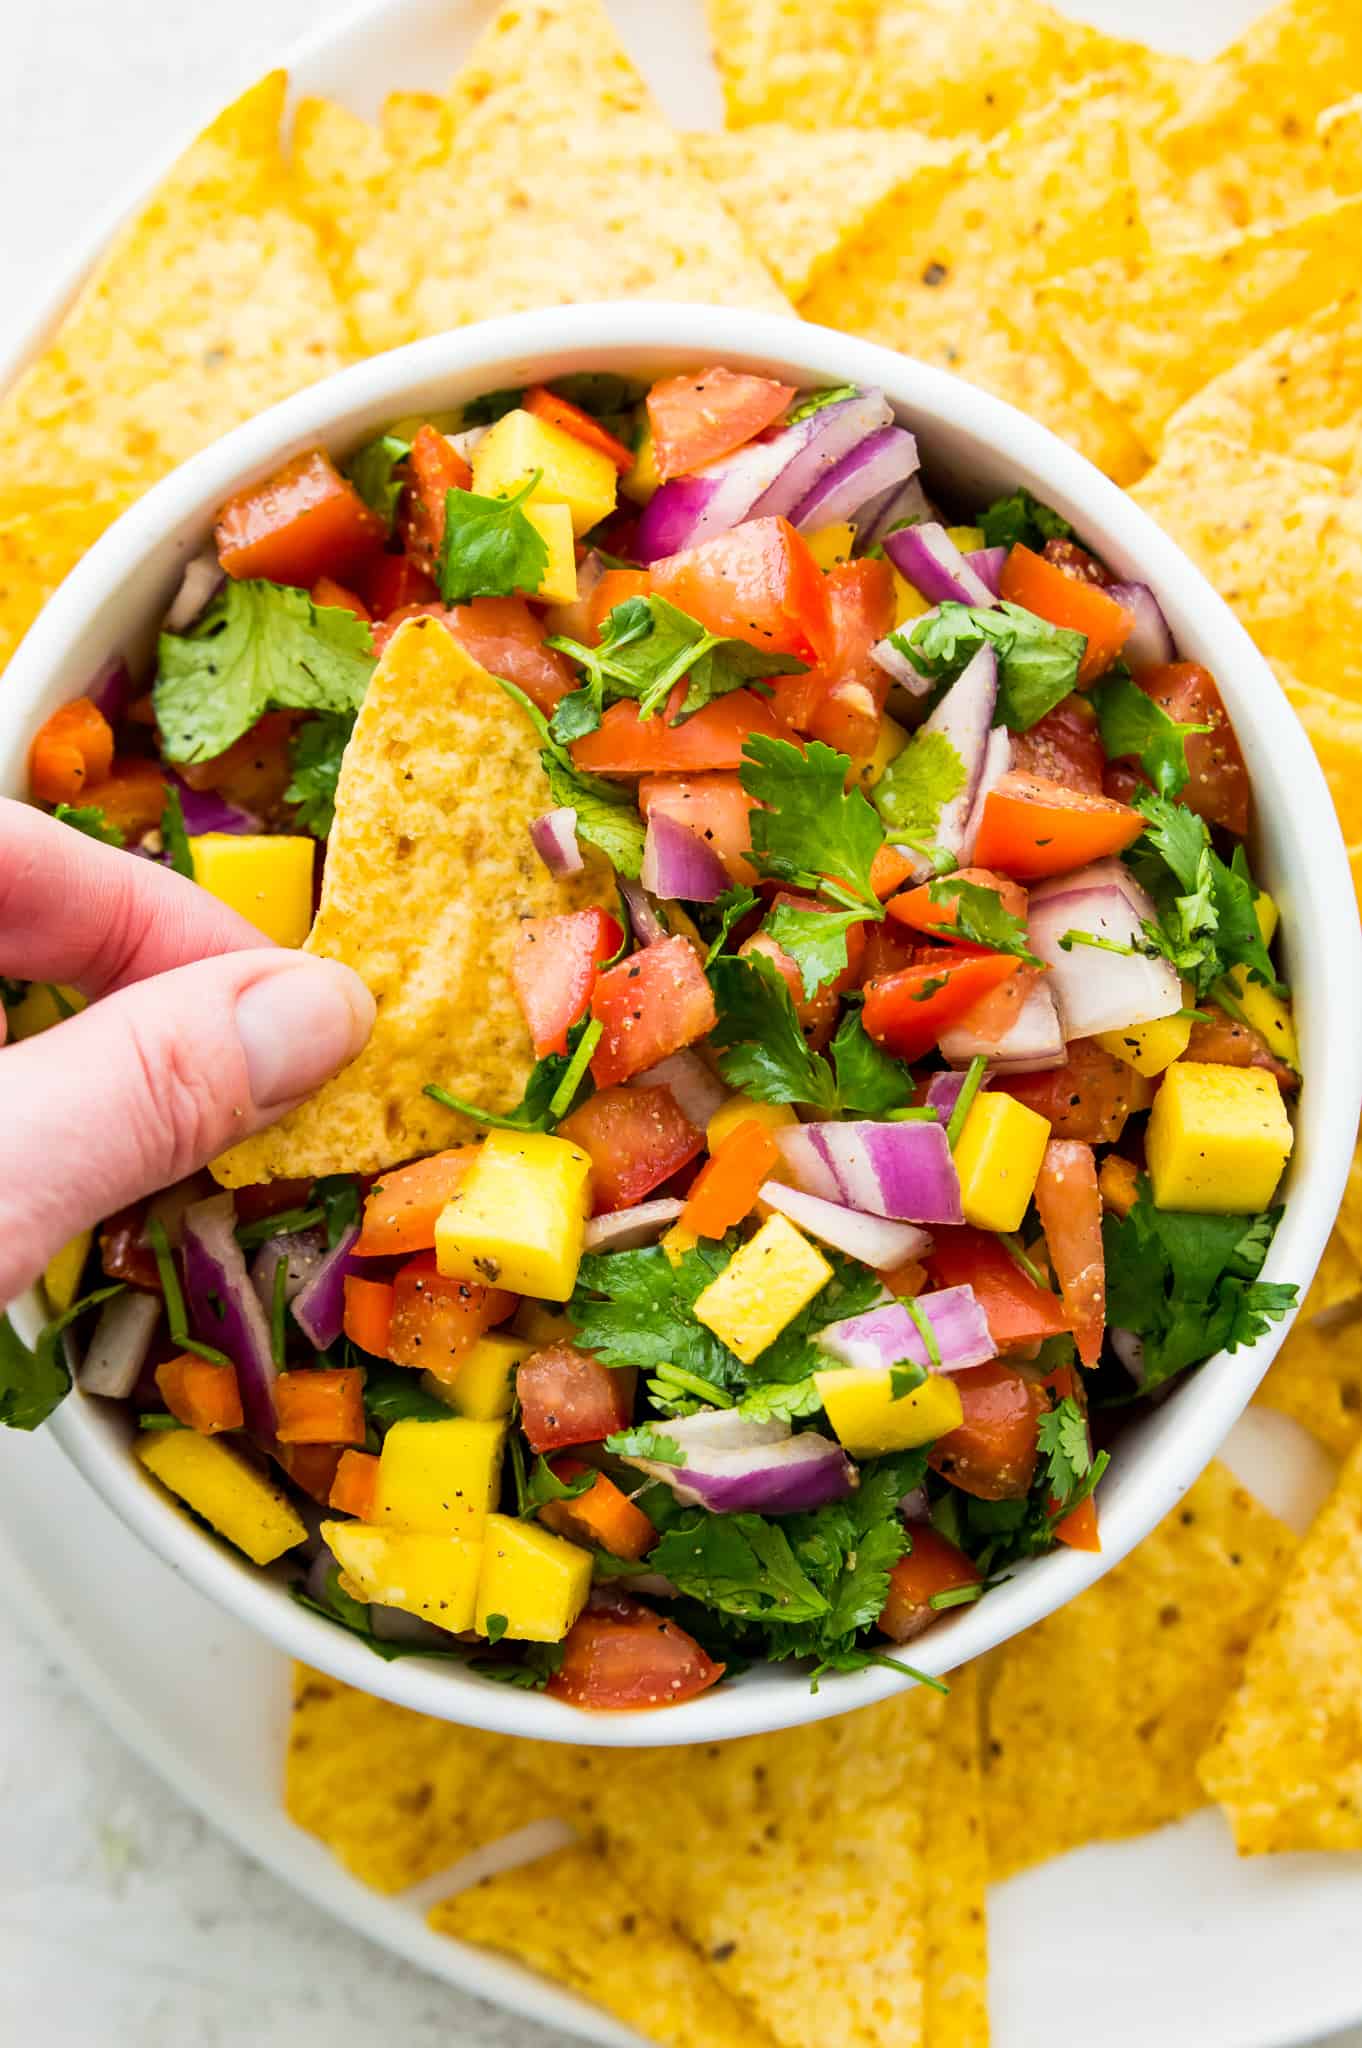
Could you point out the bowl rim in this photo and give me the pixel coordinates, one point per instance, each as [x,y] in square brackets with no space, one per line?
[1325,944]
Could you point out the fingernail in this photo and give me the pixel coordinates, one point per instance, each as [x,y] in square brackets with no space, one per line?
[297,1026]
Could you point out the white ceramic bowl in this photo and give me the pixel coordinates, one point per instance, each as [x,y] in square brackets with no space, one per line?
[114,601]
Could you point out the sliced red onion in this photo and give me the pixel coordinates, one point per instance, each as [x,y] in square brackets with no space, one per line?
[225,1309]
[1096,990]
[806,1162]
[624,1230]
[875,466]
[915,1506]
[203,578]
[889,1335]
[928,557]
[119,1344]
[998,753]
[874,1240]
[909,505]
[904,1170]
[647,927]
[319,1310]
[207,810]
[987,564]
[736,1466]
[816,445]
[697,1093]
[110,688]
[895,663]
[1151,643]
[943,1092]
[300,1251]
[555,841]
[678,864]
[1034,1041]
[711,501]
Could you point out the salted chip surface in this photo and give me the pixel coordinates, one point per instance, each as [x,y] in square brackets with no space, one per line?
[43,534]
[956,1991]
[1298,395]
[1316,1377]
[209,305]
[396,1796]
[429,869]
[1334,724]
[1284,1760]
[1143,1662]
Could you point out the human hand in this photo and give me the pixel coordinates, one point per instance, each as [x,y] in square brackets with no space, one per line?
[199,1033]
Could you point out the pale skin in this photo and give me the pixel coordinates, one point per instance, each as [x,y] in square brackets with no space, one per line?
[198,1032]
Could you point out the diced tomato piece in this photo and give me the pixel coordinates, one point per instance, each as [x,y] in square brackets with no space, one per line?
[889,870]
[1224,1042]
[392,583]
[436,1320]
[303,522]
[650,1005]
[848,689]
[1047,590]
[583,618]
[619,1653]
[889,948]
[503,636]
[625,744]
[917,909]
[321,1406]
[313,1467]
[818,1013]
[636,1138]
[354,1490]
[200,1394]
[568,1397]
[1218,783]
[1118,1182]
[727,1186]
[1077,562]
[1071,1216]
[715,807]
[1064,746]
[1032,828]
[255,771]
[434,468]
[993,1452]
[931,1567]
[132,795]
[1088,1098]
[326,593]
[992,1017]
[1018,1311]
[907,1012]
[554,969]
[560,412]
[697,418]
[403,1207]
[269,1198]
[758,582]
[71,750]
[124,1253]
[368,1313]
[603,1517]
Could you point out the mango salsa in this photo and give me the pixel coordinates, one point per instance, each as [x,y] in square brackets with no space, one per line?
[519,1219]
[61,1277]
[266,878]
[1148,1048]
[553,524]
[832,544]
[742,1109]
[240,1502]
[484,1386]
[868,1420]
[536,1581]
[433,1576]
[762,1288]
[571,474]
[998,1156]
[442,1477]
[1217,1140]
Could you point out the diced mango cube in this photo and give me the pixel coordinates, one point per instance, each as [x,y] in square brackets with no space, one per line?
[909,603]
[763,1287]
[61,1277]
[483,1387]
[442,1477]
[642,481]
[867,1420]
[1266,1013]
[553,524]
[676,1242]
[239,1502]
[1148,1048]
[40,1007]
[743,1109]
[832,544]
[536,1581]
[967,538]
[888,746]
[997,1157]
[1217,1140]
[433,1576]
[519,1219]
[571,474]
[267,878]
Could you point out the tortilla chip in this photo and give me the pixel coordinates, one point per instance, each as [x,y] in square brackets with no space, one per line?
[1137,1669]
[798,196]
[1153,333]
[1285,1760]
[1335,727]
[428,870]
[42,537]
[1316,1377]
[957,1841]
[396,1796]
[207,307]
[1300,394]
[1349,1223]
[572,1917]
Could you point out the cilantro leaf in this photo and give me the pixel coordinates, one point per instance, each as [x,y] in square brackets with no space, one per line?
[812,827]
[983,918]
[1063,1438]
[489,549]
[1022,519]
[315,752]
[905,1379]
[918,784]
[1037,663]
[398,1396]
[337,1196]
[848,1549]
[259,647]
[741,1564]
[372,471]
[643,1441]
[869,1080]
[761,1048]
[605,816]
[174,838]
[1132,723]
[90,819]
[781,1400]
[551,1091]
[648,645]
[816,940]
[635,1309]
[732,907]
[1206,919]
[33,1383]
[542,1486]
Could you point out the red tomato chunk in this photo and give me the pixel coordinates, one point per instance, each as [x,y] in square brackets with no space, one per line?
[568,1397]
[636,1138]
[622,1654]
[649,1006]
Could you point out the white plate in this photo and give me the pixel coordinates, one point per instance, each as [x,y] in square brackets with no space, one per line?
[1161,1938]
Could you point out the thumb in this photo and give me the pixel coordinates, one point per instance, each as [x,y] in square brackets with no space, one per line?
[150,1084]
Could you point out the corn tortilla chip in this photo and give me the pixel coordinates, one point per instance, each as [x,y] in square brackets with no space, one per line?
[572,1917]
[397,1797]
[1349,1224]
[42,537]
[1299,395]
[207,307]
[1316,1377]
[1137,1667]
[1335,727]
[1285,1761]
[956,1992]
[428,869]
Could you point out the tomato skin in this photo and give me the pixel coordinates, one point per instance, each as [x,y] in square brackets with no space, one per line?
[842,700]
[889,948]
[1077,562]
[1064,746]
[1018,1312]
[1218,782]
[1088,1098]
[917,909]
[932,1566]
[650,1005]
[568,1397]
[625,744]
[905,1015]
[553,971]
[402,1207]
[758,583]
[697,418]
[1224,1042]
[994,1451]
[636,1138]
[715,807]
[436,1320]
[503,636]
[1031,828]
[390,583]
[71,751]
[620,1654]
[1070,1209]
[1047,590]
[303,522]
[561,412]
[434,468]
[254,771]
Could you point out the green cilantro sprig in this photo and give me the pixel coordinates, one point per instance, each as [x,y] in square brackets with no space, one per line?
[33,1383]
[1131,723]
[983,918]
[316,750]
[373,469]
[490,549]
[1037,663]
[647,646]
[90,819]
[605,816]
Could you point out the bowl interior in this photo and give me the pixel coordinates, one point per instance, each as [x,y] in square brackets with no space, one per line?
[973,448]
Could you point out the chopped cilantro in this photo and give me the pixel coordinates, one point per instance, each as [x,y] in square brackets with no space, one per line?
[337,1196]
[1037,663]
[732,908]
[762,1050]
[813,831]
[1132,723]
[33,1383]
[781,1400]
[489,549]
[542,1487]
[917,785]
[1062,1434]
[551,1091]
[870,1082]
[646,647]
[396,1396]
[983,918]
[494,1627]
[1022,520]
[739,1564]
[644,1441]
[372,470]
[90,819]
[816,940]
[1206,921]
[174,838]
[635,1309]
[905,1379]
[491,407]
[315,752]
[813,401]
[530,1669]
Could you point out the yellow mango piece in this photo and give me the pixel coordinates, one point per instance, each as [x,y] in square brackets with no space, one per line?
[61,1276]
[967,538]
[762,1288]
[1268,1014]
[266,878]
[519,1219]
[642,481]
[909,603]
[998,1156]
[890,744]
[484,1387]
[536,1581]
[239,1502]
[867,1420]
[1268,916]
[42,1006]
[1217,1140]
[676,1243]
[542,1325]
[440,1477]
[553,524]
[1148,1048]
[433,1576]
[832,544]
[741,1109]
[571,474]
